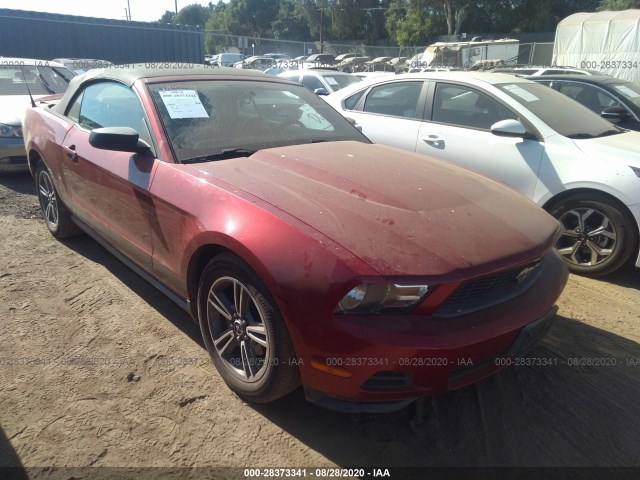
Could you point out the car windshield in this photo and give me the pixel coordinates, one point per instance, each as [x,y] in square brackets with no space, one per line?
[40,80]
[215,119]
[630,91]
[559,112]
[338,82]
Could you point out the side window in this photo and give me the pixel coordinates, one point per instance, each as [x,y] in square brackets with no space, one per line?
[466,107]
[591,97]
[110,104]
[399,99]
[351,102]
[312,82]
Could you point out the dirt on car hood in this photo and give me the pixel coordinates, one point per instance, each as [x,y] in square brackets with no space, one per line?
[402,213]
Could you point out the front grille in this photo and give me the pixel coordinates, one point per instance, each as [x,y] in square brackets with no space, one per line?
[388,381]
[490,290]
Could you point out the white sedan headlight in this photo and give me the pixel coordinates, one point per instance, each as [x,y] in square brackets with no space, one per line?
[10,131]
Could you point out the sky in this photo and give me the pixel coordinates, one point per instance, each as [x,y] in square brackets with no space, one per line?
[141,10]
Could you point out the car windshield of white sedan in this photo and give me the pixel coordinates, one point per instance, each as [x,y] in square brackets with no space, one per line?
[214,119]
[559,112]
[39,80]
[340,81]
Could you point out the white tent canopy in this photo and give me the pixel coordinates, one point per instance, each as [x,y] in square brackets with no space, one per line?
[604,41]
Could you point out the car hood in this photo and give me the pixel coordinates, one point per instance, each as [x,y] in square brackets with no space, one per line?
[400,212]
[13,108]
[624,147]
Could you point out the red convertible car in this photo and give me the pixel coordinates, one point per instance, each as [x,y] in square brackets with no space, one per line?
[307,254]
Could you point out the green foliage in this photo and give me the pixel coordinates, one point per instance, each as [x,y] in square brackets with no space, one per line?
[618,4]
[412,23]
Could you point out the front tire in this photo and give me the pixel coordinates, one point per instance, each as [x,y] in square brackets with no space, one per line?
[56,214]
[597,237]
[244,331]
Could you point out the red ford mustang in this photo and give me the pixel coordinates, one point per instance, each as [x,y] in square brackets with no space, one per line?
[307,254]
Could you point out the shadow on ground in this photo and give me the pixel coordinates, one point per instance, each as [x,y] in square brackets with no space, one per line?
[531,415]
[10,465]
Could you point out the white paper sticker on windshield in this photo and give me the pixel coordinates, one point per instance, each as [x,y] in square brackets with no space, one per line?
[183,104]
[331,81]
[522,93]
[627,91]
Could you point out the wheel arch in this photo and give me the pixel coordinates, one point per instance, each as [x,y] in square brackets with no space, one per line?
[33,158]
[201,256]
[559,197]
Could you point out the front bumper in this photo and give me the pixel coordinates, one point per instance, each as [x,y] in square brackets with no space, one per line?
[383,363]
[526,341]
[13,157]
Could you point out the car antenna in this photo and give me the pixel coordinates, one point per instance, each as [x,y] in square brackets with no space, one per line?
[33,103]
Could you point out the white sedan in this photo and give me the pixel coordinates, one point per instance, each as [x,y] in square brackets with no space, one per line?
[576,165]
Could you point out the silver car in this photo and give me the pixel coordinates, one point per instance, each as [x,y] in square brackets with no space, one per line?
[21,78]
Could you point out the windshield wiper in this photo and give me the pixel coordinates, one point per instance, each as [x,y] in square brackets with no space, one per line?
[607,133]
[44,82]
[223,155]
[582,136]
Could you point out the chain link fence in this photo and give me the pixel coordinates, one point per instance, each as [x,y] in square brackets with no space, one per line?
[534,53]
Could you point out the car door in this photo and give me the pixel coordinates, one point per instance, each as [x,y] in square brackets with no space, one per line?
[390,113]
[110,189]
[457,129]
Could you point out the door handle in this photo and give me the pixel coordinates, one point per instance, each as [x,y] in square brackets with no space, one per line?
[71,153]
[434,139]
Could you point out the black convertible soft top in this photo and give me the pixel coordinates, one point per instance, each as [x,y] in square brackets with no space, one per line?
[129,74]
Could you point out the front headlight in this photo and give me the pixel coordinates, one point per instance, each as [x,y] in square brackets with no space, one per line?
[382,298]
[636,171]
[10,131]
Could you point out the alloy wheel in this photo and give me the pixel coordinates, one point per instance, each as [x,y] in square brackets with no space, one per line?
[237,327]
[48,199]
[588,237]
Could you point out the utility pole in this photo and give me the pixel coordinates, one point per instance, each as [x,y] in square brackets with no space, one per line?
[176,7]
[321,25]
[129,10]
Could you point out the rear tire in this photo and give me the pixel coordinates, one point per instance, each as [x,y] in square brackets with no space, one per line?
[598,236]
[244,331]
[56,214]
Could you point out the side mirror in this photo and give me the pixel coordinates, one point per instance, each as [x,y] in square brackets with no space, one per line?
[510,128]
[615,114]
[353,122]
[119,139]
[321,91]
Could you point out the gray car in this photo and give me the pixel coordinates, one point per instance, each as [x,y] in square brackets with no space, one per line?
[321,81]
[19,78]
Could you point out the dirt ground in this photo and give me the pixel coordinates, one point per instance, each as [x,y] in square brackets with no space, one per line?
[77,326]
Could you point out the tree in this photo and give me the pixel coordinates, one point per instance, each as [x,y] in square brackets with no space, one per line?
[168,17]
[413,22]
[194,14]
[618,4]
[455,12]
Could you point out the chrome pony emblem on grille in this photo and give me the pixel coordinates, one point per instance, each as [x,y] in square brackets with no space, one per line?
[525,272]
